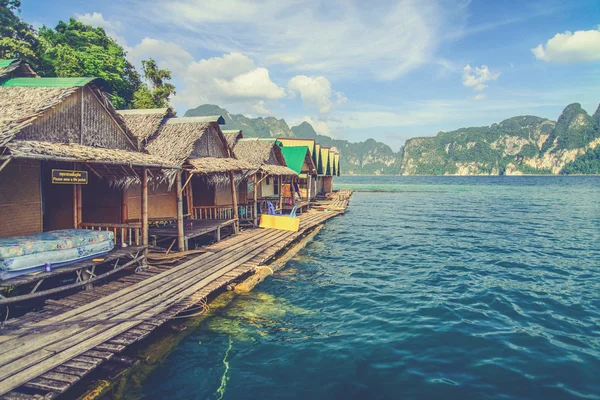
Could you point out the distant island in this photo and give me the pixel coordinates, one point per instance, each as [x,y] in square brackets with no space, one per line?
[523,145]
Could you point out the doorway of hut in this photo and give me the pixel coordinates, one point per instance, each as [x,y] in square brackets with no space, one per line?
[67,205]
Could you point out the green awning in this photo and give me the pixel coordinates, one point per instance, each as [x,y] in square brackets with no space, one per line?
[6,63]
[48,82]
[295,157]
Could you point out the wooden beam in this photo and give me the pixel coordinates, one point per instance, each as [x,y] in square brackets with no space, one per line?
[145,208]
[93,170]
[79,205]
[180,235]
[281,193]
[75,216]
[233,195]
[186,182]
[5,163]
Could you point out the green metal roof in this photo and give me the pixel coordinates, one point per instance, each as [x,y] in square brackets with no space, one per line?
[294,157]
[47,82]
[6,63]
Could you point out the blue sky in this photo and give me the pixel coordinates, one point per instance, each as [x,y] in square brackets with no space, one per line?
[390,70]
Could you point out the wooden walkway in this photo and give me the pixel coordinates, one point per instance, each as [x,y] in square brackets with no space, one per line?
[47,351]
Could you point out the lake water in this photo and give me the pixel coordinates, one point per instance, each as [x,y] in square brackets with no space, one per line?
[446,287]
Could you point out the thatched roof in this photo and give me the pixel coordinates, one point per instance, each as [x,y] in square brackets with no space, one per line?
[207,120]
[232,137]
[266,156]
[19,107]
[23,100]
[15,67]
[214,165]
[144,123]
[176,139]
[86,154]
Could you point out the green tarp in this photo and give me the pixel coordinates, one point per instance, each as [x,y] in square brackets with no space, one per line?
[295,157]
[47,82]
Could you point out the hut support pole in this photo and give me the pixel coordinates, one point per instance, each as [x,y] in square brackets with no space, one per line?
[255,198]
[180,236]
[5,163]
[280,180]
[75,217]
[234,199]
[124,211]
[145,208]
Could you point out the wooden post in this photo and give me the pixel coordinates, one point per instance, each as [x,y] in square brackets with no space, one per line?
[255,198]
[145,208]
[180,235]
[75,216]
[79,205]
[308,187]
[124,210]
[281,193]
[233,195]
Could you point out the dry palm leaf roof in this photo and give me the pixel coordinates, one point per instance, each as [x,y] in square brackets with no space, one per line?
[144,123]
[265,155]
[232,137]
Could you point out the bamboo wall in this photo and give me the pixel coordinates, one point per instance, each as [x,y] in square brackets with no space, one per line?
[162,203]
[328,184]
[58,199]
[63,124]
[20,199]
[267,188]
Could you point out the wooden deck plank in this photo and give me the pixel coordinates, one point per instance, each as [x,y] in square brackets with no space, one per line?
[155,296]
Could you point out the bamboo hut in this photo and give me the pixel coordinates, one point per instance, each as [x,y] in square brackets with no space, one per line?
[311,144]
[206,189]
[232,137]
[66,157]
[327,178]
[298,159]
[15,69]
[271,171]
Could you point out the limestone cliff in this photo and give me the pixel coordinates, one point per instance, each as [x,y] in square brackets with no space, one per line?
[516,146]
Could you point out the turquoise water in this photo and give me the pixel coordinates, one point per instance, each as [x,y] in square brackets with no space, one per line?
[462,288]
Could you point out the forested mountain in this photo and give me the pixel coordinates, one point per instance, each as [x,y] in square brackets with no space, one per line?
[368,157]
[516,146]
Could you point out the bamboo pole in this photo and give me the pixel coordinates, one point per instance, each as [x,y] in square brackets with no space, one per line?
[180,235]
[145,208]
[75,217]
[80,205]
[255,198]
[124,210]
[233,195]
[281,193]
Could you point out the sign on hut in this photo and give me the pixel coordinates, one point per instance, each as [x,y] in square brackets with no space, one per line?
[66,177]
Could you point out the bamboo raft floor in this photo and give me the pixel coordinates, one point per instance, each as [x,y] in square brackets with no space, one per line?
[193,228]
[45,352]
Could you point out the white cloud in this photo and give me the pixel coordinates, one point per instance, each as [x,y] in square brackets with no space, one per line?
[478,76]
[282,58]
[383,40]
[97,20]
[478,97]
[316,92]
[230,80]
[570,47]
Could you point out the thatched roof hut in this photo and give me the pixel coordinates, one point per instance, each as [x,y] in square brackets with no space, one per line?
[15,68]
[233,136]
[197,142]
[326,161]
[266,156]
[145,123]
[69,119]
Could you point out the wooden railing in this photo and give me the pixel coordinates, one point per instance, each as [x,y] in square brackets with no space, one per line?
[130,234]
[224,212]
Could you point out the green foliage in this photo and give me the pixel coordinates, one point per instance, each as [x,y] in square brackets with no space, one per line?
[529,151]
[158,96]
[17,38]
[74,49]
[589,163]
[574,129]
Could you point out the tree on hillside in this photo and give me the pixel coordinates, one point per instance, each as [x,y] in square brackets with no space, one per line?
[74,49]
[17,38]
[159,91]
